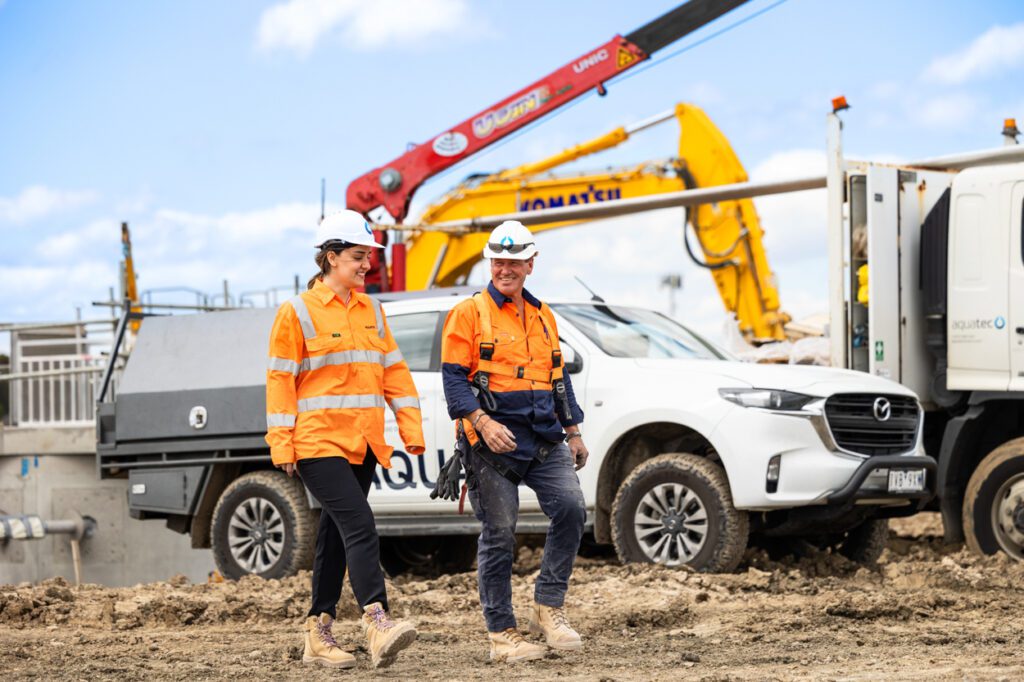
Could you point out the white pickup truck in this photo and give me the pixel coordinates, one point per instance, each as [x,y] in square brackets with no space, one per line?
[692,452]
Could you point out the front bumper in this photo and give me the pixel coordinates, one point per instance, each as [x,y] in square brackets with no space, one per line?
[854,490]
[813,471]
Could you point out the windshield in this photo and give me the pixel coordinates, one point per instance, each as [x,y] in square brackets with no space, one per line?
[636,333]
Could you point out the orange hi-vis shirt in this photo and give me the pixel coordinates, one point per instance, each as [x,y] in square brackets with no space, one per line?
[332,369]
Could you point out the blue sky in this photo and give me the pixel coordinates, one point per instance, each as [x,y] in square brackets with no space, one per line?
[207,126]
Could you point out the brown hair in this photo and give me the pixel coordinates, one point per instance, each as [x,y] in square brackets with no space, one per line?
[323,264]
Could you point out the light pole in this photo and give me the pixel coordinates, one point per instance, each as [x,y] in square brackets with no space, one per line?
[673,283]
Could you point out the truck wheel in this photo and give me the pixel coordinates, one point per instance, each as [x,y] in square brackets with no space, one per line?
[676,509]
[866,542]
[262,525]
[993,512]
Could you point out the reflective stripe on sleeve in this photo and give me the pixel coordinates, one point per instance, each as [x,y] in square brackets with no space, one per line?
[335,402]
[287,420]
[341,358]
[398,403]
[380,316]
[282,365]
[302,312]
[393,358]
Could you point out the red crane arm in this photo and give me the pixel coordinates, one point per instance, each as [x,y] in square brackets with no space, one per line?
[393,184]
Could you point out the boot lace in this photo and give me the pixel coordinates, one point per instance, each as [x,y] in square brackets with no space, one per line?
[514,636]
[326,636]
[559,618]
[381,620]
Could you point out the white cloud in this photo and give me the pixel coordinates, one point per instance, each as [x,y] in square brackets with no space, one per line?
[298,25]
[38,201]
[1000,47]
[947,112]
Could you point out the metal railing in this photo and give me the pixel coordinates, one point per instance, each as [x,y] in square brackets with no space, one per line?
[55,372]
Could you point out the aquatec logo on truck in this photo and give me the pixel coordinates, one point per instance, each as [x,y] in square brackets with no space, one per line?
[978,324]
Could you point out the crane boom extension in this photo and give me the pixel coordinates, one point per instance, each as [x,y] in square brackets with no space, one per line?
[393,184]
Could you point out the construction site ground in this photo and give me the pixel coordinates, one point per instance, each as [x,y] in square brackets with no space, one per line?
[927,611]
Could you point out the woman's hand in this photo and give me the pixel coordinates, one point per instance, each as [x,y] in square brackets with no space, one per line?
[289,468]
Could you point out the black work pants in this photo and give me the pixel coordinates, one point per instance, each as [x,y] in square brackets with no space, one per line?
[347,535]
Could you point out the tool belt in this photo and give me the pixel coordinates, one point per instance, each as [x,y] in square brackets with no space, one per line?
[498,462]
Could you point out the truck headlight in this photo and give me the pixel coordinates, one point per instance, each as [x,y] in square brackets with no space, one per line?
[766,399]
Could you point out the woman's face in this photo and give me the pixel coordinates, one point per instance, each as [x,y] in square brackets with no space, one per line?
[349,267]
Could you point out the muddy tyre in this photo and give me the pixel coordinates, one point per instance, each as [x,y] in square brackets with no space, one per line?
[993,511]
[865,543]
[262,525]
[676,509]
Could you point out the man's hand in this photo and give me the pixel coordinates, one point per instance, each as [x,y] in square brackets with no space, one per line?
[496,435]
[289,468]
[579,452]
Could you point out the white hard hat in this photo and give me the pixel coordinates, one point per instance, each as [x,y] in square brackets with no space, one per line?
[511,240]
[345,226]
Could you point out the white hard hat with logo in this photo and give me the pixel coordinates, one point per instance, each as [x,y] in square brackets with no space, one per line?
[511,240]
[345,226]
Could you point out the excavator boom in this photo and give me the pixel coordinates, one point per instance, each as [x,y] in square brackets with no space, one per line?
[728,233]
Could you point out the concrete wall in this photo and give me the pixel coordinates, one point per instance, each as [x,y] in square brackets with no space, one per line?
[122,552]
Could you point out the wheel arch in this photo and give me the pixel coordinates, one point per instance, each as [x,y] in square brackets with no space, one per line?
[990,421]
[634,446]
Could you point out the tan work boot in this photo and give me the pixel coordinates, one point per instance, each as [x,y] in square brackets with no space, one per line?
[320,645]
[386,637]
[554,625]
[509,646]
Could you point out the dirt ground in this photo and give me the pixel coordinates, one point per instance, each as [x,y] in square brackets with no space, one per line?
[926,611]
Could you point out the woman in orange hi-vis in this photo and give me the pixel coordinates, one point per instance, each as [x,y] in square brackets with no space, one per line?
[333,367]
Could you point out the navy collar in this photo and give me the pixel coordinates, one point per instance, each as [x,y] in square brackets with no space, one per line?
[501,299]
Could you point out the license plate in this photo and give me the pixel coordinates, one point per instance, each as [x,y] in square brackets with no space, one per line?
[906,480]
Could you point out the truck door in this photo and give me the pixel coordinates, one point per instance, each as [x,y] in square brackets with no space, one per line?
[407,485]
[1016,311]
[978,293]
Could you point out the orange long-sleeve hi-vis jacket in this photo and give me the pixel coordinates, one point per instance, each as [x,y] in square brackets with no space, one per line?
[332,369]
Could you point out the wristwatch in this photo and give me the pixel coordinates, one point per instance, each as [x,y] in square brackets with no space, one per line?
[574,434]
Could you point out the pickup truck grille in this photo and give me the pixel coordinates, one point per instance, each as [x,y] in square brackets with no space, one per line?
[855,426]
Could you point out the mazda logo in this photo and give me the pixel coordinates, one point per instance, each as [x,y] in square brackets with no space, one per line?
[882,409]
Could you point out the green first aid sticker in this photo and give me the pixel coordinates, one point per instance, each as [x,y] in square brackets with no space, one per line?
[879,351]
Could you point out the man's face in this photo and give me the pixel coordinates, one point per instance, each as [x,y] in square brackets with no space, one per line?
[509,276]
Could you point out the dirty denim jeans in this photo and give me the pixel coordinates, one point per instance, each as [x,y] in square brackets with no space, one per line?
[495,501]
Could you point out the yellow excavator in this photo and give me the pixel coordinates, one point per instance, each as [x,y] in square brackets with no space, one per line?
[728,233]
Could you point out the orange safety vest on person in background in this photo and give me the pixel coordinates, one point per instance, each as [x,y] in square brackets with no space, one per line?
[332,369]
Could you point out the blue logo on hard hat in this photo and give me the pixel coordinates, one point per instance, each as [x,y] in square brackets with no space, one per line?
[1000,322]
[506,241]
[366,226]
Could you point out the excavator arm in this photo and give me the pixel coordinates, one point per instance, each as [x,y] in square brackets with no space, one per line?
[728,234]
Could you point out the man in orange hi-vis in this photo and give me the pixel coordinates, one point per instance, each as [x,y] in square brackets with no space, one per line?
[519,422]
[333,368]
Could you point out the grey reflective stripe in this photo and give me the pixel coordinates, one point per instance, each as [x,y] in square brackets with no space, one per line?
[340,402]
[380,316]
[302,312]
[280,420]
[283,365]
[393,358]
[398,403]
[341,358]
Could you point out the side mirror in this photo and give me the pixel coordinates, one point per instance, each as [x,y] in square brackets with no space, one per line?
[572,361]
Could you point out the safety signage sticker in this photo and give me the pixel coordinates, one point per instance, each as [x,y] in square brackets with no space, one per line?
[879,351]
[624,58]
